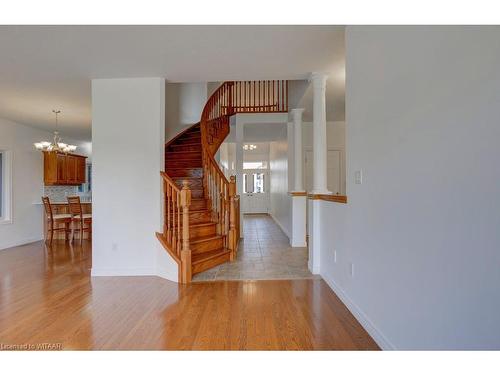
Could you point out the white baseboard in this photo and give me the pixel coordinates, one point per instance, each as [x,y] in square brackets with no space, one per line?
[279,224]
[123,272]
[25,241]
[360,316]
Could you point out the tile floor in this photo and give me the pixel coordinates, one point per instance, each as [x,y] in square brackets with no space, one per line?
[264,254]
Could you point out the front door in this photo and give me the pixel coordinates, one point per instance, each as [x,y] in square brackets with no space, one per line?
[255,192]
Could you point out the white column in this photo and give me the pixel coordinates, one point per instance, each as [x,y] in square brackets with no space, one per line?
[319,134]
[315,236]
[297,131]
[239,134]
[299,198]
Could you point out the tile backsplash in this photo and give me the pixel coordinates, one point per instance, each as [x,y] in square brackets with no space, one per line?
[59,193]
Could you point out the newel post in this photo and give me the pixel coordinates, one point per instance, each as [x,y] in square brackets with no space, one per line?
[186,251]
[230,109]
[232,217]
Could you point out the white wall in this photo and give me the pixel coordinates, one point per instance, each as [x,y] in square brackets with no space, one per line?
[280,200]
[128,147]
[184,104]
[27,183]
[423,229]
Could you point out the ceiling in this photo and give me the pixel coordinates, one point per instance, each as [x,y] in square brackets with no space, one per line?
[46,67]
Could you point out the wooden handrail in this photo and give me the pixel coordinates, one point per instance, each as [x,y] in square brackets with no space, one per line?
[230,98]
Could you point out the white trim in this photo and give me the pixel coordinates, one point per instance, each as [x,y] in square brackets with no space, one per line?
[279,224]
[360,316]
[26,241]
[123,272]
[7,193]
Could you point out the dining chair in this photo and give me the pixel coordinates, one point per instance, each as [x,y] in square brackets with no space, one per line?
[54,221]
[79,218]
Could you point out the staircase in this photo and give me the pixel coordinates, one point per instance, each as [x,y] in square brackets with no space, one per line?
[183,162]
[201,226]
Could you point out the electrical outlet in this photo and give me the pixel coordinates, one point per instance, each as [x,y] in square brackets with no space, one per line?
[114,246]
[358,177]
[352,269]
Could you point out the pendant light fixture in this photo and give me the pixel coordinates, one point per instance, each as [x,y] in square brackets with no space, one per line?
[56,144]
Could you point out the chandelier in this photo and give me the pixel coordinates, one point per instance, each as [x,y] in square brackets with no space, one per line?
[249,147]
[56,144]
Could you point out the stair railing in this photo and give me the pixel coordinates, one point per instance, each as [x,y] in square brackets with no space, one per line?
[230,98]
[176,224]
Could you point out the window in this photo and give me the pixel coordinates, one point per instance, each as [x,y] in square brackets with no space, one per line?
[87,187]
[5,187]
[258,182]
[253,183]
[255,165]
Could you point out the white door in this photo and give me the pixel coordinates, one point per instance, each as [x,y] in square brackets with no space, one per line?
[256,192]
[333,167]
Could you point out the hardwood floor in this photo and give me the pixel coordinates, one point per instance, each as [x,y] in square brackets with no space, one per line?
[48,296]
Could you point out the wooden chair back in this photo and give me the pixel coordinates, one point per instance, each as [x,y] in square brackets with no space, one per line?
[48,208]
[75,206]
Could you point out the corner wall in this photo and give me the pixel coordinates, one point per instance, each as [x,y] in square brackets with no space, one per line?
[184,104]
[128,127]
[422,230]
[278,171]
[27,183]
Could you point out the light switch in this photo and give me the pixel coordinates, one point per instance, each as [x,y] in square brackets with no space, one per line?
[358,177]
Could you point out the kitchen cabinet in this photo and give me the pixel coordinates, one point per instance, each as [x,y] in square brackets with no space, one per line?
[63,169]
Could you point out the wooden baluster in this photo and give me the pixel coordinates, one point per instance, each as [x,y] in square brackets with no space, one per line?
[218,208]
[230,100]
[273,96]
[232,218]
[168,232]
[253,89]
[286,96]
[179,237]
[283,96]
[173,239]
[185,202]
[268,100]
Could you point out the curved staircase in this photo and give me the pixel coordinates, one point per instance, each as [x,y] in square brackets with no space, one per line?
[201,209]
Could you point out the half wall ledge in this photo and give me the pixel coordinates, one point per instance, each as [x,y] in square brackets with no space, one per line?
[328,197]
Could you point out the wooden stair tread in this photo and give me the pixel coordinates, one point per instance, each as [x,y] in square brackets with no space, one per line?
[186,144]
[206,223]
[183,152]
[198,211]
[199,239]
[203,257]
